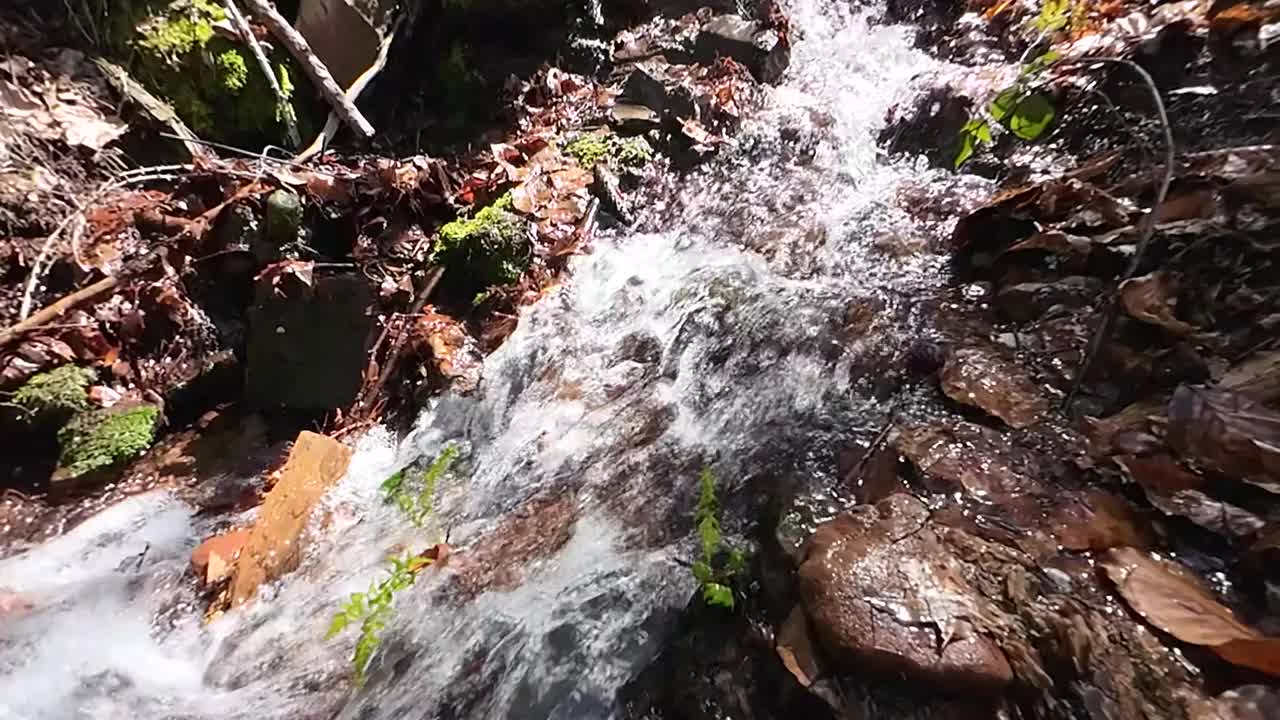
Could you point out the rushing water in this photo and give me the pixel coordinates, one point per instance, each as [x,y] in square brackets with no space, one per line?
[749,328]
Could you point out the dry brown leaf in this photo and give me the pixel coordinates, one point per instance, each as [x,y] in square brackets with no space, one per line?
[1178,604]
[1152,298]
[795,648]
[1227,432]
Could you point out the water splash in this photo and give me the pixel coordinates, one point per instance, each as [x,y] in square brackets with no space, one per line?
[748,326]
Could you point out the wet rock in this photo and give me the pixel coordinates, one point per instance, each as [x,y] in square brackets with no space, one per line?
[212,559]
[985,379]
[762,51]
[884,595]
[307,342]
[962,455]
[649,85]
[14,604]
[535,530]
[273,547]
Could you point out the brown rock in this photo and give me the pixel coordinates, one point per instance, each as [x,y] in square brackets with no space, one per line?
[272,549]
[212,558]
[883,594]
[984,379]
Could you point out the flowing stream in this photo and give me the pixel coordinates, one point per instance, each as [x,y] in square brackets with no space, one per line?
[752,327]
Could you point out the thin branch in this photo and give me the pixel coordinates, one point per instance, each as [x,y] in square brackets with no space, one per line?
[282,101]
[1146,226]
[312,65]
[366,403]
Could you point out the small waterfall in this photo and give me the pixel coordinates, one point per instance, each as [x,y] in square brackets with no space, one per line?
[747,326]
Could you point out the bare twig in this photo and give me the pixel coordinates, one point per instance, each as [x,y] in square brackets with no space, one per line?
[282,101]
[312,65]
[1146,226]
[879,439]
[158,109]
[38,267]
[366,403]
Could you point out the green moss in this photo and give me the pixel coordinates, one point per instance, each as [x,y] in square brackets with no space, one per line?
[589,150]
[233,70]
[489,249]
[61,391]
[211,82]
[98,439]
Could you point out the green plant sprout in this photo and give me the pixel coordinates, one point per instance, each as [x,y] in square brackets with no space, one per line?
[372,609]
[417,506]
[718,563]
[1019,108]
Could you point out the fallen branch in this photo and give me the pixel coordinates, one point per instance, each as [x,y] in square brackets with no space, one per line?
[365,404]
[53,311]
[353,92]
[158,109]
[43,258]
[282,101]
[856,471]
[312,65]
[1146,227]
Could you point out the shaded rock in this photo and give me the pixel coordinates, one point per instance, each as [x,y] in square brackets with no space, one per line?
[986,380]
[536,529]
[212,559]
[884,595]
[649,85]
[273,547]
[307,342]
[762,51]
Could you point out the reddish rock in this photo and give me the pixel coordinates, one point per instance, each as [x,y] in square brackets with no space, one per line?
[14,604]
[883,594]
[315,464]
[225,548]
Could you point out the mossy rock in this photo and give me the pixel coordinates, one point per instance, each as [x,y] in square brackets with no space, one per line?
[282,223]
[213,84]
[55,395]
[491,248]
[591,149]
[100,440]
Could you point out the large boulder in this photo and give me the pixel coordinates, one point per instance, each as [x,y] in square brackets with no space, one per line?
[883,594]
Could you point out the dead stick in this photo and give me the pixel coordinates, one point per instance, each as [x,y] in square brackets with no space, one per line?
[393,356]
[1146,228]
[282,101]
[311,65]
[856,471]
[55,310]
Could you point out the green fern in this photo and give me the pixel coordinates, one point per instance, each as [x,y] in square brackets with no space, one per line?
[718,563]
[372,609]
[417,506]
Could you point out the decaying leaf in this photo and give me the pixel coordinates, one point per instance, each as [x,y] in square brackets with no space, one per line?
[1226,432]
[795,648]
[998,385]
[1176,603]
[1152,298]
[1101,520]
[1174,490]
[277,273]
[451,349]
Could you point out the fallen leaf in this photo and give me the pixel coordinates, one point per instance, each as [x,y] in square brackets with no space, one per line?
[1226,432]
[1174,490]
[1173,601]
[795,648]
[1152,298]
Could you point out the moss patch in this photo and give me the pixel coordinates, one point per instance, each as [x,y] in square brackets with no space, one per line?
[99,439]
[488,249]
[589,150]
[59,392]
[213,83]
